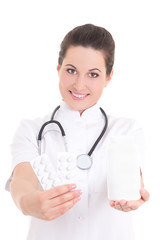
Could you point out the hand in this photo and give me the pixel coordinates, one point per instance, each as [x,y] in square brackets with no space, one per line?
[51,204]
[127,206]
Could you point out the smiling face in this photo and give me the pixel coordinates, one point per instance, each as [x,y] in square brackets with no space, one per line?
[82,77]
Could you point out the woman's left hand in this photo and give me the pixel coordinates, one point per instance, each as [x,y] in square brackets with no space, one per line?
[127,206]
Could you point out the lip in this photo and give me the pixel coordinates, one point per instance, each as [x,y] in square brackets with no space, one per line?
[78,96]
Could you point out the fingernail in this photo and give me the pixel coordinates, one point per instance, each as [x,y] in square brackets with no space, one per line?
[79,192]
[143,191]
[77,199]
[73,186]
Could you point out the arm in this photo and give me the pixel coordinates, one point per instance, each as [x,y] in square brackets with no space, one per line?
[31,200]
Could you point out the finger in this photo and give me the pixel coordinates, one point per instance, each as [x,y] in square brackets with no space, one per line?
[133,205]
[117,205]
[118,208]
[64,198]
[123,204]
[136,204]
[123,208]
[62,208]
[54,192]
[144,194]
[112,203]
[127,209]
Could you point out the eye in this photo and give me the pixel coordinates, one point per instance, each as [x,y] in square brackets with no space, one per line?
[71,71]
[93,75]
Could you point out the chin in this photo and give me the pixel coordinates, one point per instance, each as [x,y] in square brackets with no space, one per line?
[77,107]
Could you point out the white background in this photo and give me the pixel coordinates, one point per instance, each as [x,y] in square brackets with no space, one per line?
[31,32]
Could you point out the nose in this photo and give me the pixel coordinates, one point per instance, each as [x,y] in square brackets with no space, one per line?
[79,83]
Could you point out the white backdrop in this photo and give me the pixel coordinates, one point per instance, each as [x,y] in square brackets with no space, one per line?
[31,32]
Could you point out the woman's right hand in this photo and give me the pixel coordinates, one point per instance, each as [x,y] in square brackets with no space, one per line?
[50,204]
[31,200]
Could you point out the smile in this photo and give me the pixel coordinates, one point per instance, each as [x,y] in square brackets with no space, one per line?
[78,96]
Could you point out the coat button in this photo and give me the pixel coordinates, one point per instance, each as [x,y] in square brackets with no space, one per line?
[80,218]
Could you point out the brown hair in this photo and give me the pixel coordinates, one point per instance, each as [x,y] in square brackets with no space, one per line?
[89,35]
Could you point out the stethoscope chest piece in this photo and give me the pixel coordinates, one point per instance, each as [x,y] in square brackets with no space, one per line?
[84,161]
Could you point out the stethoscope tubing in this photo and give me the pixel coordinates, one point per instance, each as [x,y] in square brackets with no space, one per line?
[102,133]
[51,121]
[47,123]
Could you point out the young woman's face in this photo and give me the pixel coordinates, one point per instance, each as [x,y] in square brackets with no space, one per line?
[82,77]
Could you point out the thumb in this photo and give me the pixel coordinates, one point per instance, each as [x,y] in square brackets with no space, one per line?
[144,194]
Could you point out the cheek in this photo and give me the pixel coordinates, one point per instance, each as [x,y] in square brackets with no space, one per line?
[98,92]
[65,80]
[98,85]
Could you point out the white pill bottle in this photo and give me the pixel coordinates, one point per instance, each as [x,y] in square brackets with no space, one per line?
[123,169]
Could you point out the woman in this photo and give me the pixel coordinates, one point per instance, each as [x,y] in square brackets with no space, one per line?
[79,210]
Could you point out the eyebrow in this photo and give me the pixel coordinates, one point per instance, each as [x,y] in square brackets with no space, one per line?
[71,65]
[93,69]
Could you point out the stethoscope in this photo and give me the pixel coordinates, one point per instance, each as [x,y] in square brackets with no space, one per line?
[83,161]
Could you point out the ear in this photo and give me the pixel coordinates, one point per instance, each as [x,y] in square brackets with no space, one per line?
[58,68]
[109,77]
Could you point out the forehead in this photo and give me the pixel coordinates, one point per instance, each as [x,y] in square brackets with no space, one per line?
[85,56]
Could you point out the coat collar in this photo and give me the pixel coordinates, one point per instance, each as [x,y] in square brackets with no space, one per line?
[91,114]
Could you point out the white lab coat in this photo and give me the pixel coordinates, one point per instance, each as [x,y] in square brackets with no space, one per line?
[91,218]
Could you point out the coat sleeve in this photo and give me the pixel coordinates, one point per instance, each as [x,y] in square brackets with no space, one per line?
[24,146]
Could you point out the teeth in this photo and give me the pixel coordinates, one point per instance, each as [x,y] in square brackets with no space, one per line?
[79,96]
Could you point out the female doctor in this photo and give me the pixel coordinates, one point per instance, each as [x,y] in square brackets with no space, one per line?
[71,211]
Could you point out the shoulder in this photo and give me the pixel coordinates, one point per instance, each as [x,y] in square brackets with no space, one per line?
[31,127]
[123,125]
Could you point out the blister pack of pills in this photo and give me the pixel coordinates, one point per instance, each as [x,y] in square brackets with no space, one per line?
[48,176]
